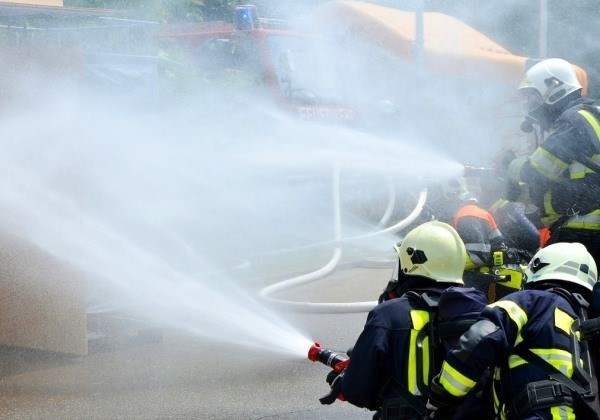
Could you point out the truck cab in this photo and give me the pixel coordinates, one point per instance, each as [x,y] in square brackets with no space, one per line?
[271,57]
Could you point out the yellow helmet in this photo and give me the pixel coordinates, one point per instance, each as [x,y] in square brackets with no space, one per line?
[435,251]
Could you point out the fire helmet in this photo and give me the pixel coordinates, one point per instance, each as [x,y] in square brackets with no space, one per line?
[435,251]
[568,262]
[549,81]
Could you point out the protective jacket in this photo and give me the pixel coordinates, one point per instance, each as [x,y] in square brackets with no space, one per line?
[536,320]
[560,172]
[395,348]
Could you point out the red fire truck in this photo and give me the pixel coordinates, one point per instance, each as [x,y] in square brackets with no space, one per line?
[251,54]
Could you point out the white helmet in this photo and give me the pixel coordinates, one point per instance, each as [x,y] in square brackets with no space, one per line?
[565,262]
[552,79]
[433,250]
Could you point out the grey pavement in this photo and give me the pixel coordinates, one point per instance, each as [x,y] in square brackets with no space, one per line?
[186,377]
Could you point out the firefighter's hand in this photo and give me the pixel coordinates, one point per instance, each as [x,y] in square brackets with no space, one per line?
[331,376]
[441,404]
[503,158]
[336,388]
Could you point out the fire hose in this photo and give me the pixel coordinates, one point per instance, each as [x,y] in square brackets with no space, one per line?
[338,307]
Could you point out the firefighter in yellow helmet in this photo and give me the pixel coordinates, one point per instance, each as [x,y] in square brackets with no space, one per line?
[397,354]
[492,265]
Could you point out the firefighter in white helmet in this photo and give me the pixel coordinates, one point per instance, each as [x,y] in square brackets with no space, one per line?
[563,173]
[531,338]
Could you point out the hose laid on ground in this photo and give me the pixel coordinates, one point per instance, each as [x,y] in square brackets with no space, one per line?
[327,307]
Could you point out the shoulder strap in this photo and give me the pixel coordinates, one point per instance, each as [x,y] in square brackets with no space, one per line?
[587,398]
[550,370]
[428,303]
[412,400]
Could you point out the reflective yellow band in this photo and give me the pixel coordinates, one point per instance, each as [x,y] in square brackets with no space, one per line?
[419,320]
[512,276]
[562,412]
[498,204]
[590,221]
[513,310]
[592,121]
[559,359]
[515,167]
[455,382]
[547,164]
[548,209]
[577,170]
[562,320]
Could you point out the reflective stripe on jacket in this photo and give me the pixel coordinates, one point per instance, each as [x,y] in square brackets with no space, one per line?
[538,320]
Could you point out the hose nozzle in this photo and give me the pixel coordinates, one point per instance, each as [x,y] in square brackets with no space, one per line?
[473,171]
[330,358]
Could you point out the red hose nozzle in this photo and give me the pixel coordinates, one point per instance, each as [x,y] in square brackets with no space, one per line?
[330,358]
[313,352]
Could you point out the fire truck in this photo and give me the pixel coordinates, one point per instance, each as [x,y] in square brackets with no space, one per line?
[287,63]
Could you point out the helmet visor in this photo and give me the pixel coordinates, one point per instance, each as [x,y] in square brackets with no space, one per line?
[531,99]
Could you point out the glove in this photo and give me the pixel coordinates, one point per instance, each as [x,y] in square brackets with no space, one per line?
[441,404]
[336,387]
[331,376]
[503,158]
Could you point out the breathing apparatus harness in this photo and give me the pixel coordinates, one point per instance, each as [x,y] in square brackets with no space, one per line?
[404,404]
[579,392]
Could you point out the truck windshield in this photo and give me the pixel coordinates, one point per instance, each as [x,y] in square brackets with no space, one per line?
[304,69]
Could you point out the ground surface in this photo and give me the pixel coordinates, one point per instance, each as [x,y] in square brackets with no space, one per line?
[185,377]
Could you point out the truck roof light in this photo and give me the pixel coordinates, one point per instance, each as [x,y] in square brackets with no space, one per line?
[246,17]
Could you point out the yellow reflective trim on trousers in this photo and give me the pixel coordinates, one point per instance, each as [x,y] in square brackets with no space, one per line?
[562,320]
[513,310]
[547,164]
[591,121]
[455,382]
[419,320]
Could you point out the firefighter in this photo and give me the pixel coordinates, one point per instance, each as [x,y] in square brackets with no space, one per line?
[491,266]
[527,337]
[563,173]
[395,356]
[502,198]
